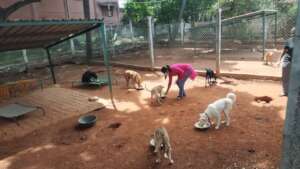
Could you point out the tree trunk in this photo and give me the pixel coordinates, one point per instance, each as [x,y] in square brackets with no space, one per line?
[86,11]
[6,12]
[176,27]
[291,135]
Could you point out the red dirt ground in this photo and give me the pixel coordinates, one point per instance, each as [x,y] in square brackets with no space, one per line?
[236,61]
[252,141]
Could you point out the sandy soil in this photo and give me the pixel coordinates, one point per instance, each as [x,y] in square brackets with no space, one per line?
[240,61]
[253,140]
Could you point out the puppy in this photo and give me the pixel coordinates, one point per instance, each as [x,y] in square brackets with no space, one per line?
[156,94]
[162,144]
[268,58]
[210,77]
[133,76]
[215,109]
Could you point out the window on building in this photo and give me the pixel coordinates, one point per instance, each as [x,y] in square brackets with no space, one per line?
[107,11]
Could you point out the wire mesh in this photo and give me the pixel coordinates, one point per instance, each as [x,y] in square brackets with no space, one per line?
[189,42]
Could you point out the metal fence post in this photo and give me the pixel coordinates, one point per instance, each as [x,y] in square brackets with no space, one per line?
[72,46]
[275,31]
[150,41]
[182,31]
[218,37]
[106,58]
[24,52]
[291,133]
[264,34]
[131,28]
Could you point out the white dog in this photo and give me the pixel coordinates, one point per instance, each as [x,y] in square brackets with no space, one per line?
[215,109]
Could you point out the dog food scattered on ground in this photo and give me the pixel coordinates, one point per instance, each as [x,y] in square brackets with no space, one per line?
[251,150]
[228,82]
[265,99]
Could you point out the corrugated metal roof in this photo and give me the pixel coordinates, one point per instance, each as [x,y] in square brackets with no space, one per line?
[25,34]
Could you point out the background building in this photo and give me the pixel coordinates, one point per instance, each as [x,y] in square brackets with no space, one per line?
[67,9]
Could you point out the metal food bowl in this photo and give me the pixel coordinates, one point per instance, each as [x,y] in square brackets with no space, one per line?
[87,121]
[201,127]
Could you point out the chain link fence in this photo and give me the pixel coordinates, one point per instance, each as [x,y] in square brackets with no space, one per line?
[242,43]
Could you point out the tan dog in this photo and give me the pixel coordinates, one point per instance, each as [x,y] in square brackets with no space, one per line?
[162,144]
[156,93]
[268,58]
[133,76]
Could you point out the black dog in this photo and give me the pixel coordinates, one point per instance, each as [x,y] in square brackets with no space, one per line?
[210,77]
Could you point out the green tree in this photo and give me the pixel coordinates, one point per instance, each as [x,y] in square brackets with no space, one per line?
[138,12]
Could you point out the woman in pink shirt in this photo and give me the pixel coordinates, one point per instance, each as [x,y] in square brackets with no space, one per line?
[183,72]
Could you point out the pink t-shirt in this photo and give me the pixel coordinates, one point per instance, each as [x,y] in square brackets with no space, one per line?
[180,69]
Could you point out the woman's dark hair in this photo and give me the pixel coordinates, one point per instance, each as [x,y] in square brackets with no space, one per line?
[287,50]
[290,51]
[165,69]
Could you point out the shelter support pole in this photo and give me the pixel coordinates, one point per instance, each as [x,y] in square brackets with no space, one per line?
[51,65]
[291,133]
[106,59]
[264,34]
[218,37]
[150,40]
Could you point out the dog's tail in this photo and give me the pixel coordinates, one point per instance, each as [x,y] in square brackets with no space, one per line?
[231,96]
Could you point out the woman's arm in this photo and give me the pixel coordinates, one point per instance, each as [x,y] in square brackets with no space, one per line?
[169,84]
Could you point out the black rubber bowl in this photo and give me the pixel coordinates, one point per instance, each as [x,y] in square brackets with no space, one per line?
[163,97]
[87,121]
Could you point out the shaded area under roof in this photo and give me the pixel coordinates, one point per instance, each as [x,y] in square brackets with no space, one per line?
[27,34]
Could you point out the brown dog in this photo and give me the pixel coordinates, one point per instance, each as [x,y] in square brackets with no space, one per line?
[134,77]
[268,58]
